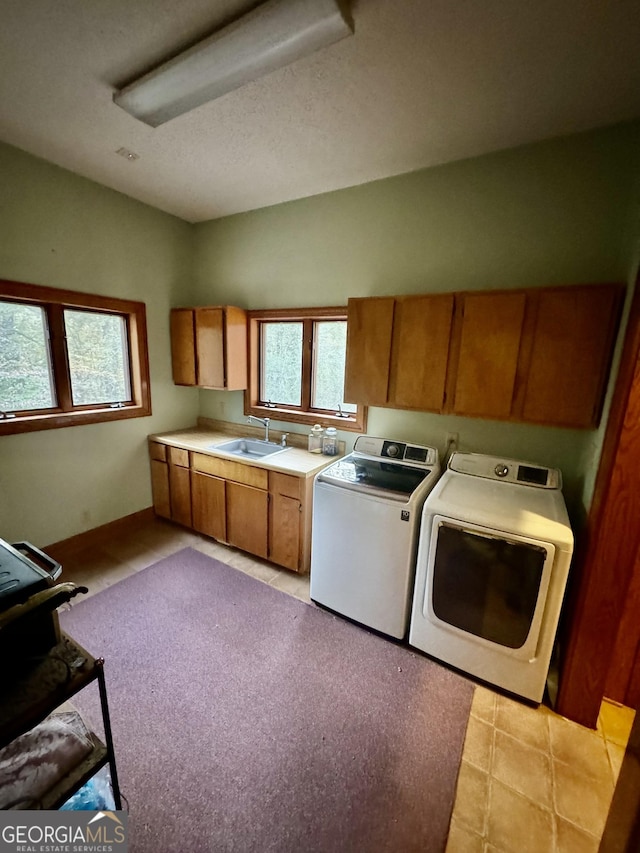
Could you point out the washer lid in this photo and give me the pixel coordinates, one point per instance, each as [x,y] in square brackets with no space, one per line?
[375,476]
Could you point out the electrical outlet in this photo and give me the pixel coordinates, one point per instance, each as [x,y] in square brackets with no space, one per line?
[452,441]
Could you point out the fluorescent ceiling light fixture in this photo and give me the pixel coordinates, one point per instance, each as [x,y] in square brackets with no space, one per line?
[274,34]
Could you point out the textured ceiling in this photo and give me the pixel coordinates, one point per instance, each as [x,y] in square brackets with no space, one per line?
[421,82]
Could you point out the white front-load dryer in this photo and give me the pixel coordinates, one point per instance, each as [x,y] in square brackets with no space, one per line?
[493,558]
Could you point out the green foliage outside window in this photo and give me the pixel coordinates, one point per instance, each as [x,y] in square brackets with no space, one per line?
[97,353]
[25,372]
[331,352]
[282,364]
[96,346]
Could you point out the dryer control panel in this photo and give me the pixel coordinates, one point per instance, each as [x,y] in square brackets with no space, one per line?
[506,470]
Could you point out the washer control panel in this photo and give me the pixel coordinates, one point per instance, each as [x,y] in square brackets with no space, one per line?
[505,470]
[396,451]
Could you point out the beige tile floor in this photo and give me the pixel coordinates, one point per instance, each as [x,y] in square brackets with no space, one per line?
[530,781]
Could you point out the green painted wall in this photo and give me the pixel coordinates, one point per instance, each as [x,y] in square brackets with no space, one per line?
[61,230]
[558,212]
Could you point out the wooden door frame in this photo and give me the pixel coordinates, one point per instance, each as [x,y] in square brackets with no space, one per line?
[604,559]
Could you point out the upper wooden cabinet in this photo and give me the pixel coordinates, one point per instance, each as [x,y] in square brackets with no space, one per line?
[489,327]
[397,351]
[369,329]
[540,355]
[565,372]
[209,347]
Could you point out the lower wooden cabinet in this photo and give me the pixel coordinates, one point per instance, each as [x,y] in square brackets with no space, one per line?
[208,498]
[266,513]
[180,492]
[286,520]
[171,482]
[160,488]
[247,519]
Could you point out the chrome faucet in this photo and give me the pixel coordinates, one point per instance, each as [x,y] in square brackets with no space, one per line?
[265,423]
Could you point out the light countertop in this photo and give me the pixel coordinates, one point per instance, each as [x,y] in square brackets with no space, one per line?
[202,439]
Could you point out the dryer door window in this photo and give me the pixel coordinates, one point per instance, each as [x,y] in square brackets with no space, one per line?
[490,585]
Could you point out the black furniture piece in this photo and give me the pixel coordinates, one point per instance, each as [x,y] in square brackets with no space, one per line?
[34,693]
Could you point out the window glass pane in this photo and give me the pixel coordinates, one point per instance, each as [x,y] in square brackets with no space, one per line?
[25,363]
[329,361]
[282,363]
[98,357]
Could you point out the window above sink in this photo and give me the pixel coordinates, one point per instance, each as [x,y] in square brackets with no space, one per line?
[296,370]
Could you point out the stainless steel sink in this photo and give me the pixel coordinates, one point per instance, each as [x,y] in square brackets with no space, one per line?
[249,448]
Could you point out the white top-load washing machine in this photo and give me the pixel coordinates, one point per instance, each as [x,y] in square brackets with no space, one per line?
[493,558]
[366,518]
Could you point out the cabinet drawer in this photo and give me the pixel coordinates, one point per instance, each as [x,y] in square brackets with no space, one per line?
[285,484]
[230,470]
[180,457]
[158,451]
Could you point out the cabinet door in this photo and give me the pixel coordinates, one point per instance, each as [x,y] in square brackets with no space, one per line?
[369,328]
[285,520]
[420,351]
[284,526]
[247,516]
[209,324]
[183,346]
[160,488]
[235,354]
[180,491]
[491,329]
[570,355]
[208,505]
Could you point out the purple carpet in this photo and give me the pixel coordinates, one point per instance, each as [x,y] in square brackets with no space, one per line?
[245,720]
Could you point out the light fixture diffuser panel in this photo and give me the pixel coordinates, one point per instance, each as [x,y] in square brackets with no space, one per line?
[273,35]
